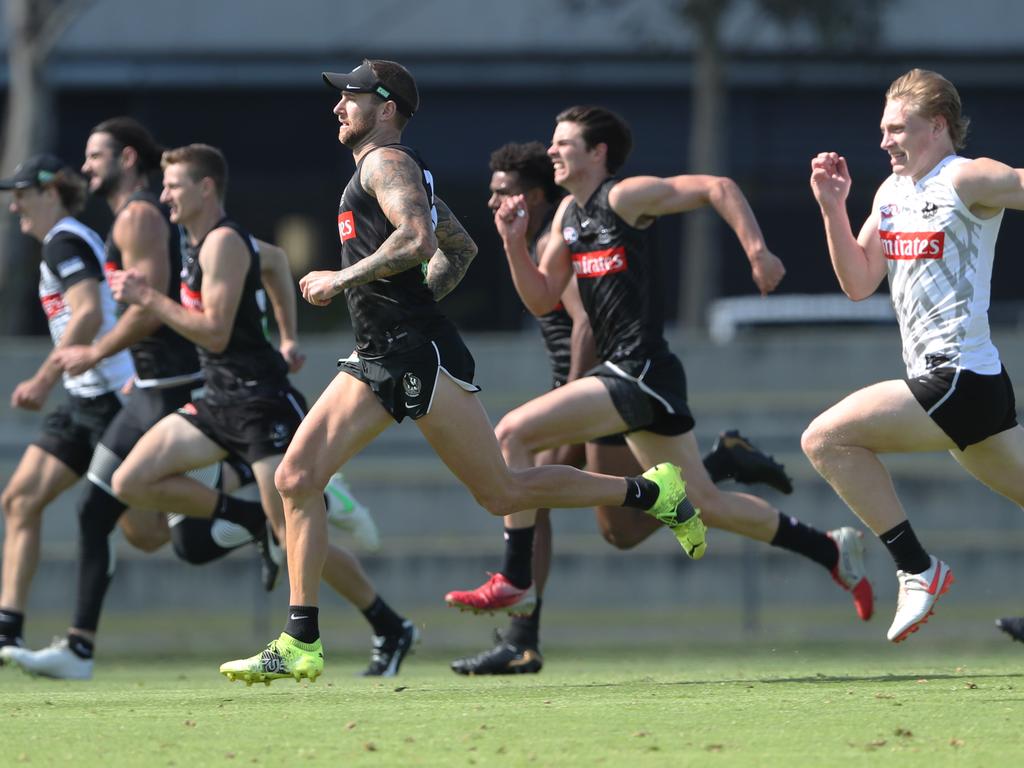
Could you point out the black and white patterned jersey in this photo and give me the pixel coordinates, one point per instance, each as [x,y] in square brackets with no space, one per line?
[939,257]
[618,275]
[71,253]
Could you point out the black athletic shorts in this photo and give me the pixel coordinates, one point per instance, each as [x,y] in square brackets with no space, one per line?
[967,406]
[650,395]
[143,408]
[250,423]
[404,381]
[71,431]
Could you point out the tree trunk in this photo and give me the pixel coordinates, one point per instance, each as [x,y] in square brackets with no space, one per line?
[700,277]
[34,27]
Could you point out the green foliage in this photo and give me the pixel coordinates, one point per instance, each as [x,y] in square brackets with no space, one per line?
[907,706]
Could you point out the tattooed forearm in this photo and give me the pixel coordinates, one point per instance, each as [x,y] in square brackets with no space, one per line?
[456,250]
[397,182]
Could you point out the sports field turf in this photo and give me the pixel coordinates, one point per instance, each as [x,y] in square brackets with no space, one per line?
[763,706]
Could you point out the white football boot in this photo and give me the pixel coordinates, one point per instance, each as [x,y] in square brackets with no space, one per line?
[917,597]
[56,661]
[344,511]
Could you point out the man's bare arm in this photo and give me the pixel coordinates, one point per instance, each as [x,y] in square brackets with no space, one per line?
[455,252]
[141,233]
[276,274]
[395,179]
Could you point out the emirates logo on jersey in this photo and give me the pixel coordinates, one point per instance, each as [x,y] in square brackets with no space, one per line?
[192,300]
[599,263]
[902,246]
[346,226]
[53,304]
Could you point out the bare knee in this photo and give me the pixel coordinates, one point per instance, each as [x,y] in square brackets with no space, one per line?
[145,541]
[295,481]
[128,487]
[19,510]
[814,442]
[510,436]
[624,528]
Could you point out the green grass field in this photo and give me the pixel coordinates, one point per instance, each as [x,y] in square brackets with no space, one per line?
[825,706]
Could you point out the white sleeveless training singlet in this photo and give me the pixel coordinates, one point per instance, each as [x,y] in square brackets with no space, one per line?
[939,258]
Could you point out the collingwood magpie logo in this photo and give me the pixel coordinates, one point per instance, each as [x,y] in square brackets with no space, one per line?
[279,434]
[929,210]
[412,385]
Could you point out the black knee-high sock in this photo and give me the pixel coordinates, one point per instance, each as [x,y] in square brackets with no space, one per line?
[906,550]
[518,565]
[805,540]
[525,630]
[246,513]
[97,516]
[193,542]
[303,623]
[383,619]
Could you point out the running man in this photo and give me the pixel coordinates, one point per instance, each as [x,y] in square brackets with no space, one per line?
[932,230]
[120,154]
[639,387]
[249,409]
[526,169]
[78,307]
[402,250]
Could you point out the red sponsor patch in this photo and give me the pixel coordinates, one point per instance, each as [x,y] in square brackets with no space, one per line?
[599,263]
[190,299]
[912,245]
[109,266]
[346,226]
[53,304]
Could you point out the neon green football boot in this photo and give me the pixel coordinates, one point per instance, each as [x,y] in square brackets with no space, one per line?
[283,657]
[674,510]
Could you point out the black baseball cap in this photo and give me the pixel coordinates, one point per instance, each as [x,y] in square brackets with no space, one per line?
[34,172]
[363,80]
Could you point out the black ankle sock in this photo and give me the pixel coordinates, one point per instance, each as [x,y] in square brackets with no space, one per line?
[518,565]
[12,623]
[641,493]
[303,623]
[79,646]
[906,550]
[525,630]
[383,619]
[248,514]
[809,542]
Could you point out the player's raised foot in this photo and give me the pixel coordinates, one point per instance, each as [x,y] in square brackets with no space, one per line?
[674,510]
[390,650]
[505,658]
[496,594]
[283,657]
[344,511]
[57,661]
[917,596]
[746,463]
[850,573]
[271,557]
[1013,626]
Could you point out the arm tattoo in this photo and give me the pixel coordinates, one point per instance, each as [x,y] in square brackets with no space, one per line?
[456,250]
[396,181]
